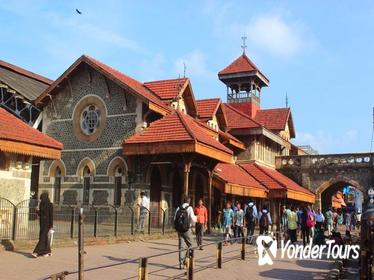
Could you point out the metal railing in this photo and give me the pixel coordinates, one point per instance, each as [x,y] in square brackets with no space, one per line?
[21,222]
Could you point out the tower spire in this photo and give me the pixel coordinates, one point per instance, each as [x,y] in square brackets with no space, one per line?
[244,46]
[286,100]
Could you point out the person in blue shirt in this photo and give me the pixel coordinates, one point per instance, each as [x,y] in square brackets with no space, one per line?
[227,221]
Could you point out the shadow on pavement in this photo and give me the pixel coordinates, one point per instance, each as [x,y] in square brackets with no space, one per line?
[286,274]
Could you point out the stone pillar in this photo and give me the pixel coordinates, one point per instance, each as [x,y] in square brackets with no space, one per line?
[186,173]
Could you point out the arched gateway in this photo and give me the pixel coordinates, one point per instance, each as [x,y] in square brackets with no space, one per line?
[326,174]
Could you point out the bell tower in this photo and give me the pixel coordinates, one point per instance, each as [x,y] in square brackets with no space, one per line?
[244,82]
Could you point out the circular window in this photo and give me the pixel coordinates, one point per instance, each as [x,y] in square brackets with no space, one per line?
[90,119]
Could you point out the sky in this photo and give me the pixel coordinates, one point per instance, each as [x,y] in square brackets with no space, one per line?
[319,53]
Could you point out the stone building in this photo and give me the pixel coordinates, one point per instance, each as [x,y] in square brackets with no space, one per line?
[122,136]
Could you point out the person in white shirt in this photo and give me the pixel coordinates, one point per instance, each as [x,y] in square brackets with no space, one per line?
[183,227]
[144,209]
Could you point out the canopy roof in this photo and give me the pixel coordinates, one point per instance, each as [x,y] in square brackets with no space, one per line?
[20,138]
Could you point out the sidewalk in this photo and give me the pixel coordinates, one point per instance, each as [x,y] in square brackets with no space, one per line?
[111,258]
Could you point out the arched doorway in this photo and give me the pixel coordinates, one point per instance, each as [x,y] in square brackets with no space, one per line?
[57,186]
[177,189]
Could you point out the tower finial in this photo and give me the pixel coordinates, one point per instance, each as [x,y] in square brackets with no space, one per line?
[184,70]
[286,100]
[244,46]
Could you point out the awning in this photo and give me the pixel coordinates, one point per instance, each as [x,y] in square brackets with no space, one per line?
[232,179]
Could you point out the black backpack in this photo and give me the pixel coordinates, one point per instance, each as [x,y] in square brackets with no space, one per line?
[182,223]
[264,220]
[249,216]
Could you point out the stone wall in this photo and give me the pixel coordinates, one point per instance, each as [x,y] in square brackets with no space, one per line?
[121,113]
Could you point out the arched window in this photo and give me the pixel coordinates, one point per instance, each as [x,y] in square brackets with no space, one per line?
[86,185]
[57,186]
[117,185]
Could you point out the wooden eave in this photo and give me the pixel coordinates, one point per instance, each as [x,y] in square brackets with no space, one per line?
[237,189]
[26,149]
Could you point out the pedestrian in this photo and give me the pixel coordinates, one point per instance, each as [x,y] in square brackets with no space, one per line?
[239,221]
[227,222]
[45,214]
[311,221]
[304,226]
[144,209]
[292,224]
[283,222]
[329,221]
[298,213]
[250,218]
[264,219]
[358,218]
[184,219]
[320,219]
[335,219]
[201,221]
[348,225]
[340,220]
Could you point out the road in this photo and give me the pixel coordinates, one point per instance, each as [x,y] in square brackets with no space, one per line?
[120,261]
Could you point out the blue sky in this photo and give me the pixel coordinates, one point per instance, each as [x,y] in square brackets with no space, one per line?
[319,52]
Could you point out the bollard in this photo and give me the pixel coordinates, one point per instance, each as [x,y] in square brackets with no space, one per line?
[277,236]
[80,246]
[96,221]
[190,264]
[243,249]
[115,222]
[219,255]
[142,271]
[163,221]
[72,221]
[149,222]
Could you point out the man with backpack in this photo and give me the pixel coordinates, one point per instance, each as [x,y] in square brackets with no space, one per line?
[184,219]
[250,219]
[264,220]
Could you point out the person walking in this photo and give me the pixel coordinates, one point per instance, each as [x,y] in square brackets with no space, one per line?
[348,222]
[184,219]
[329,221]
[320,219]
[304,226]
[227,222]
[45,213]
[358,218]
[311,222]
[264,219]
[335,219]
[292,219]
[144,209]
[239,221]
[250,219]
[201,222]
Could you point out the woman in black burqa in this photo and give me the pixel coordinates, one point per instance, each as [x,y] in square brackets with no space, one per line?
[45,213]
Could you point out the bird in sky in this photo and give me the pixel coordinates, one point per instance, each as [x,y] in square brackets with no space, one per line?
[79,12]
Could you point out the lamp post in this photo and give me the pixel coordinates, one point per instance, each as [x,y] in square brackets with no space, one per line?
[367,238]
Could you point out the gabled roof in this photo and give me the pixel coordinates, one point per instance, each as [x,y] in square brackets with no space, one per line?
[206,108]
[256,171]
[242,65]
[26,83]
[176,133]
[276,119]
[166,89]
[237,119]
[117,77]
[18,137]
[169,90]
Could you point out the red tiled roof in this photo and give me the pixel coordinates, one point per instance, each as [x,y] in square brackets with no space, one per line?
[273,119]
[240,65]
[166,89]
[13,129]
[234,174]
[273,179]
[237,119]
[25,72]
[206,108]
[176,127]
[257,172]
[111,73]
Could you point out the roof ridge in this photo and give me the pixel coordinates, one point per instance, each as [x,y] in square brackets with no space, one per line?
[166,80]
[188,129]
[205,99]
[26,73]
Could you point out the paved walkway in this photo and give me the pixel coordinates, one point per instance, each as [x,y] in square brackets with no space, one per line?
[119,261]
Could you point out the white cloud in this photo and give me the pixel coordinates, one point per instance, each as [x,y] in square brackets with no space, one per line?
[195,65]
[152,68]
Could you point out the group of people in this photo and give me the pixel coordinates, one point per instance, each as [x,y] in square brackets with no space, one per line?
[313,224]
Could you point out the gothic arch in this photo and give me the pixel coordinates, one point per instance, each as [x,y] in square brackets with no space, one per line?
[114,163]
[86,162]
[53,167]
